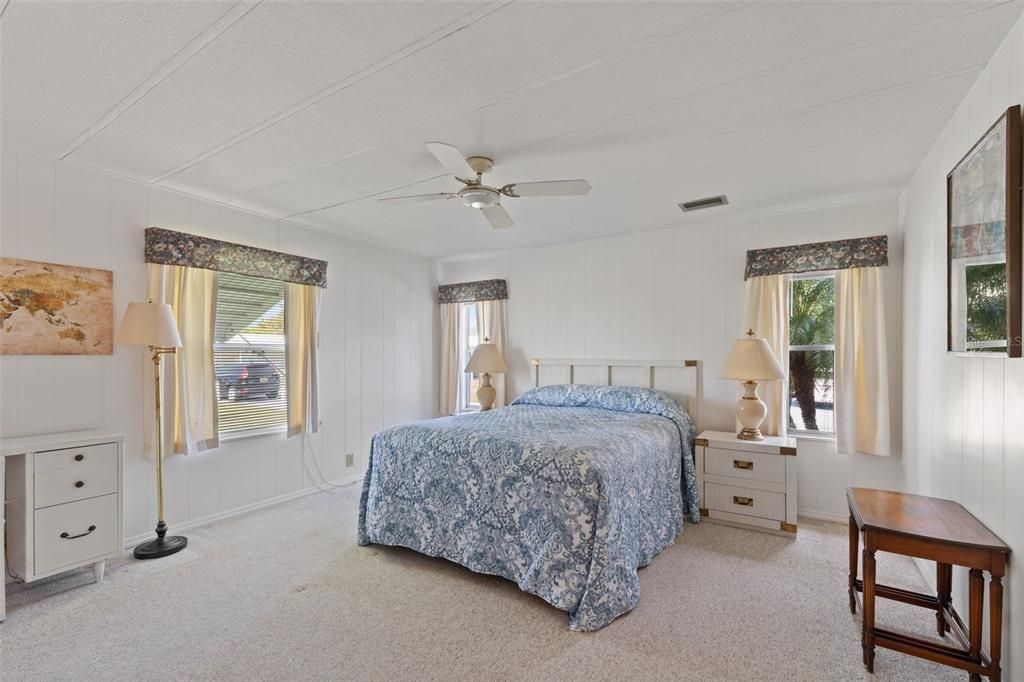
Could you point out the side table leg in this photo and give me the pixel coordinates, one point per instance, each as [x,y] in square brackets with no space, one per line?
[869,608]
[944,582]
[854,551]
[976,596]
[995,625]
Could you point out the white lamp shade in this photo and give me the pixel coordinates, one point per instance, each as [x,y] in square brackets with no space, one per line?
[149,324]
[487,359]
[751,359]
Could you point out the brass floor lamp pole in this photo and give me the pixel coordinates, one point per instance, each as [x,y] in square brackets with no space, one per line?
[161,545]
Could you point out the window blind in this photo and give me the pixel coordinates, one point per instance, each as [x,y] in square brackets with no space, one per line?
[249,355]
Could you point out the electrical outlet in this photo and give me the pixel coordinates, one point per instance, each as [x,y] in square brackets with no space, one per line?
[350,459]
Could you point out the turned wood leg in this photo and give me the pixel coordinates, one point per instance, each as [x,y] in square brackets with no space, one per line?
[995,625]
[854,550]
[869,608]
[944,581]
[976,592]
[98,569]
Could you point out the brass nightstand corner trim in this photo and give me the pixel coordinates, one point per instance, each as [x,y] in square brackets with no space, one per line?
[701,441]
[690,363]
[787,451]
[703,511]
[788,527]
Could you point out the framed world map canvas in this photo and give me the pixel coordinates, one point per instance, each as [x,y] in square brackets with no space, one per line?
[49,309]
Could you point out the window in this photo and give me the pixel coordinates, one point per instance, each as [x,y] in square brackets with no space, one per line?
[249,357]
[467,344]
[812,354]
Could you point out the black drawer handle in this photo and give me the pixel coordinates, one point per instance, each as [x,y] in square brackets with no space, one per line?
[65,535]
[79,484]
[79,457]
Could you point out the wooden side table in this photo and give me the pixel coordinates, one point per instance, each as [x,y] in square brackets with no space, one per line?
[935,530]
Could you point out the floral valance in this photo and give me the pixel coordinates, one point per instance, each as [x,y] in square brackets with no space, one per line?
[469,292]
[842,254]
[167,247]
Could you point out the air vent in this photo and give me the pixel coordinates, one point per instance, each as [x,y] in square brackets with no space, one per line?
[707,202]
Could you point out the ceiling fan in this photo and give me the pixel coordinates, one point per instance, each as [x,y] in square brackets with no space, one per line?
[470,170]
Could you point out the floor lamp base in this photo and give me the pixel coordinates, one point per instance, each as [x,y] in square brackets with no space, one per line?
[160,547]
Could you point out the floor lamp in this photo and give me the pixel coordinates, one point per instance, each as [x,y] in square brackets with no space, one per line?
[152,324]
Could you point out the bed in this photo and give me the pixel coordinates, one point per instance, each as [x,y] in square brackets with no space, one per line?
[582,480]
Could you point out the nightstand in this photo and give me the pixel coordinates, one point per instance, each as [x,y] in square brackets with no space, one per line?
[751,484]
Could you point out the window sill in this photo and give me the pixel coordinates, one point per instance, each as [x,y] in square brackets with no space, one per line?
[803,435]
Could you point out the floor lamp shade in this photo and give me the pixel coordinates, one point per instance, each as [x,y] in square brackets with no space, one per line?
[750,361]
[149,324]
[153,325]
[485,361]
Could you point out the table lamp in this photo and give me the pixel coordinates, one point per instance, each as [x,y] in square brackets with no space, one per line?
[486,360]
[750,361]
[152,324]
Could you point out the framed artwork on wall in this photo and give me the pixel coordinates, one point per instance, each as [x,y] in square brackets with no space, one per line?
[983,244]
[50,309]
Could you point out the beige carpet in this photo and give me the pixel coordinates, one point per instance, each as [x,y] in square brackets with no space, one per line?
[286,594]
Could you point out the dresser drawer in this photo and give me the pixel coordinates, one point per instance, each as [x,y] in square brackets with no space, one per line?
[73,521]
[753,466]
[79,482]
[764,504]
[72,457]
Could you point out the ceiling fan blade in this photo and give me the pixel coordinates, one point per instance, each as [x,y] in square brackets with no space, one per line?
[550,188]
[452,159]
[416,198]
[497,216]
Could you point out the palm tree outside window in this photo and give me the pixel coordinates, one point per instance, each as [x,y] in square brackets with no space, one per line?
[812,354]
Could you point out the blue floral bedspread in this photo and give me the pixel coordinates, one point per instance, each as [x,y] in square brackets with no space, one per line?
[567,492]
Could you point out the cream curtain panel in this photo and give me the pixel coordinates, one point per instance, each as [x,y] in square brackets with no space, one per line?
[189,380]
[451,362]
[302,337]
[768,316]
[492,323]
[862,387]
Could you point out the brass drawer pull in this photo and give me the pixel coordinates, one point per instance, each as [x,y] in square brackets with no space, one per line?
[743,501]
[742,464]
[66,536]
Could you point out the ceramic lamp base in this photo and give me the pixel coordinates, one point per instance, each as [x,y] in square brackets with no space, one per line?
[750,412]
[486,394]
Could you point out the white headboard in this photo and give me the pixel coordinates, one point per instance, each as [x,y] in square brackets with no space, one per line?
[681,379]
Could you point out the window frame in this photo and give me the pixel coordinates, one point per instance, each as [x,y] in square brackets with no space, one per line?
[467,400]
[795,277]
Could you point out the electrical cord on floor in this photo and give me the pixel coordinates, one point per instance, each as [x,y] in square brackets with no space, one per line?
[316,464]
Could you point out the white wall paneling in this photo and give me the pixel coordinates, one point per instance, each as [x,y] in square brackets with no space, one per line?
[962,436]
[377,348]
[679,293]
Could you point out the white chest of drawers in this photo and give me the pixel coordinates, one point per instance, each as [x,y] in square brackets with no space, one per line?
[748,483]
[63,503]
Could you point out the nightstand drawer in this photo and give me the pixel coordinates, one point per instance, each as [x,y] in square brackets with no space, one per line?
[746,501]
[74,483]
[754,466]
[70,533]
[72,457]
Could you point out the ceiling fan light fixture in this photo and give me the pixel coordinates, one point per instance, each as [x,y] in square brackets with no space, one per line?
[479,197]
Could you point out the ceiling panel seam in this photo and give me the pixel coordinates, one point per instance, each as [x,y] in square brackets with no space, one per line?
[651,39]
[848,47]
[179,59]
[399,55]
[687,141]
[3,8]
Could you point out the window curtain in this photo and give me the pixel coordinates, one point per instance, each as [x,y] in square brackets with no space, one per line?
[862,387]
[451,363]
[768,316]
[491,322]
[189,396]
[302,336]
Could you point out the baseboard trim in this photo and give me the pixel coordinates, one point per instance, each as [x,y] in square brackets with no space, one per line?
[244,509]
[822,516]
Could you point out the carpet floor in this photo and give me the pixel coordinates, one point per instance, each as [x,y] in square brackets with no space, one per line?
[285,593]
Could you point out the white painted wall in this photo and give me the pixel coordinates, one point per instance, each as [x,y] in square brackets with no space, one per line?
[962,431]
[377,339]
[679,294]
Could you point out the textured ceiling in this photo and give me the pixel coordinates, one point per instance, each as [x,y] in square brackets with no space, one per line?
[311,110]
